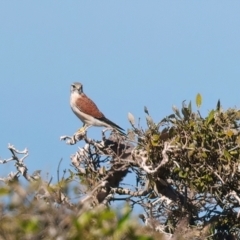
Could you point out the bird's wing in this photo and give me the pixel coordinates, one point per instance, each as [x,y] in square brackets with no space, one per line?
[112,124]
[86,105]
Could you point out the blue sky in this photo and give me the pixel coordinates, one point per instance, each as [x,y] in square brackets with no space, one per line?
[127,54]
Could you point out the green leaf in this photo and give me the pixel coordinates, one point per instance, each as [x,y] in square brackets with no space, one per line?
[4,191]
[229,133]
[190,107]
[227,155]
[176,169]
[190,153]
[238,140]
[154,139]
[143,238]
[30,225]
[218,105]
[182,174]
[131,119]
[210,116]
[146,110]
[176,111]
[123,220]
[198,100]
[149,121]
[185,111]
[204,155]
[171,116]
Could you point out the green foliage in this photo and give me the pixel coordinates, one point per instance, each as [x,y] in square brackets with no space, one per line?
[22,218]
[203,162]
[206,149]
[107,225]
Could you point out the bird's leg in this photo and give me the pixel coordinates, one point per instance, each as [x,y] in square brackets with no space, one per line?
[83,129]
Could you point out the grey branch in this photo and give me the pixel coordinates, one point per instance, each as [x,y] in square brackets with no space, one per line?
[124,191]
[71,140]
[142,157]
[19,164]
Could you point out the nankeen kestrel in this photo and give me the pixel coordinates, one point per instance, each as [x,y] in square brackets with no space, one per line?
[87,111]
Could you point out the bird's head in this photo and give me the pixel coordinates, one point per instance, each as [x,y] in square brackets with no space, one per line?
[76,87]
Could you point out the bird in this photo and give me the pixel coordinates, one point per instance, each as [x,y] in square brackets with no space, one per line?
[87,111]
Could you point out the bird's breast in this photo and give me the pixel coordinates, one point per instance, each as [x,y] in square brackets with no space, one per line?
[73,99]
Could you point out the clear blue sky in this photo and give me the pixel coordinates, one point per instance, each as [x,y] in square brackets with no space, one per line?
[128,54]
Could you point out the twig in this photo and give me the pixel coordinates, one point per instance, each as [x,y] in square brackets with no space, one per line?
[58,169]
